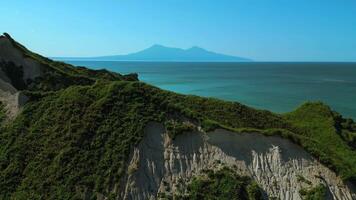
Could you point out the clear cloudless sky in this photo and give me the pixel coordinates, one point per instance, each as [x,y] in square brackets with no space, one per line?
[263,30]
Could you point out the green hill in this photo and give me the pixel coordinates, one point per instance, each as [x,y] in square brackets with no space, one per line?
[78,126]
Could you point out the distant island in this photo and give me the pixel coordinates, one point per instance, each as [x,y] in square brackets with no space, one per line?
[163,53]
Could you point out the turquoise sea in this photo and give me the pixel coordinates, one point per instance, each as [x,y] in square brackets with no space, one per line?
[279,87]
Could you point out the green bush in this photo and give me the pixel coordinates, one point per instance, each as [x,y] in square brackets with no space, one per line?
[316,193]
[175,128]
[210,125]
[2,113]
[15,74]
[80,136]
[316,122]
[221,184]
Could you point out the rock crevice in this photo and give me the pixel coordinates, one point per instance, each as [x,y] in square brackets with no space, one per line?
[159,164]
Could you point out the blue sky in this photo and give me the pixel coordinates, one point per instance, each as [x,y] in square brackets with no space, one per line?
[264,30]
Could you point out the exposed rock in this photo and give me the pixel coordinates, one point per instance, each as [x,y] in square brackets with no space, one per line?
[9,94]
[11,97]
[9,53]
[275,163]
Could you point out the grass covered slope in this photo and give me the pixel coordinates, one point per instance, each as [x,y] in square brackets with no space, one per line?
[74,140]
[2,113]
[78,139]
[317,122]
[315,193]
[55,75]
[73,137]
[314,126]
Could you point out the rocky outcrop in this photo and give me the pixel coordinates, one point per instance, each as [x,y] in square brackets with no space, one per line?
[9,53]
[159,164]
[12,58]
[11,98]
[21,69]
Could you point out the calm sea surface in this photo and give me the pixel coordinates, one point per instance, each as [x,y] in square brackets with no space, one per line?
[279,87]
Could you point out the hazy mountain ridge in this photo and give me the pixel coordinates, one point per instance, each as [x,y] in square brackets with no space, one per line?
[163,53]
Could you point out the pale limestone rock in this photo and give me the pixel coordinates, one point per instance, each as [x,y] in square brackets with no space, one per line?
[9,95]
[274,163]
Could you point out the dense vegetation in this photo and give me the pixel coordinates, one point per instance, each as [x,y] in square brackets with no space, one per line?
[315,193]
[314,126]
[73,138]
[78,139]
[317,123]
[309,192]
[55,75]
[346,129]
[2,113]
[15,74]
[223,184]
[175,127]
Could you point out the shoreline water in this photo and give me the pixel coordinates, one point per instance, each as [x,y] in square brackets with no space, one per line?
[276,86]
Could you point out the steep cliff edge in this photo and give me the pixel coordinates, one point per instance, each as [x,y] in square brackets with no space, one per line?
[280,167]
[85,134]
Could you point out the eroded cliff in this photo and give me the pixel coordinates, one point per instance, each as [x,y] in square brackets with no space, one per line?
[160,165]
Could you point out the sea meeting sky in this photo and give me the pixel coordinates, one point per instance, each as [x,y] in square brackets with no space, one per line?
[263,30]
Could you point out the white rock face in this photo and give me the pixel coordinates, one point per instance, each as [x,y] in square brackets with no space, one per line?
[31,68]
[158,164]
[9,95]
[12,99]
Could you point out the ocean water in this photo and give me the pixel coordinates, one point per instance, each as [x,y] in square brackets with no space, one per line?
[279,87]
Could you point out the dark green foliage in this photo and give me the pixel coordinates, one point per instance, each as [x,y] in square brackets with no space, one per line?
[80,137]
[2,113]
[301,178]
[312,126]
[210,125]
[75,138]
[55,78]
[254,191]
[175,128]
[349,138]
[316,122]
[346,128]
[231,114]
[15,74]
[223,184]
[56,75]
[315,193]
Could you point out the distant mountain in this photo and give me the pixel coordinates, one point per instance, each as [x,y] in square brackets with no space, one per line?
[163,53]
